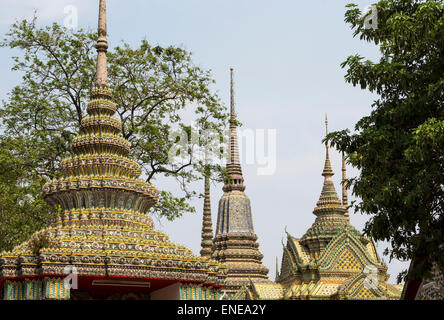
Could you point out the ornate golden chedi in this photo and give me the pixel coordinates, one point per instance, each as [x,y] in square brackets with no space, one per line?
[103,230]
[235,242]
[332,260]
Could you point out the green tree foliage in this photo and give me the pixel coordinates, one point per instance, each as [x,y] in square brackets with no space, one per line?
[22,211]
[399,147]
[155,89]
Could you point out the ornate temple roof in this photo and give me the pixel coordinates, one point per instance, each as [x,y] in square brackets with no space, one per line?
[103,227]
[235,241]
[332,260]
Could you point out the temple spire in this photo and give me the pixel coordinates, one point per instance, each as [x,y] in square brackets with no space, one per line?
[344,186]
[235,180]
[329,211]
[235,242]
[328,201]
[102,48]
[207,224]
[328,171]
[232,109]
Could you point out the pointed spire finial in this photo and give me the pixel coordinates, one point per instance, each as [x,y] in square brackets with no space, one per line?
[102,48]
[329,201]
[344,185]
[232,109]
[328,171]
[235,179]
[326,125]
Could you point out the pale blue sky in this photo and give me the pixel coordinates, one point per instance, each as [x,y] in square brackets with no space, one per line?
[286,55]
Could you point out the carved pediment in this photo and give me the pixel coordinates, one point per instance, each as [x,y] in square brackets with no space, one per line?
[346,252]
[348,261]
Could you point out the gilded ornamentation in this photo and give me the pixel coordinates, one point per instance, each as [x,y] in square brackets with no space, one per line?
[332,260]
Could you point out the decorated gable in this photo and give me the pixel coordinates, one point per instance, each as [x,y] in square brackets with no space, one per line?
[346,253]
[364,286]
[301,254]
[347,261]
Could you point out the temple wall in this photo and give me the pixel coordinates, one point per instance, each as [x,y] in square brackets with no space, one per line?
[46,289]
[198,292]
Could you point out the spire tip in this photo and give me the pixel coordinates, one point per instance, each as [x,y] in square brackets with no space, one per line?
[327,167]
[344,186]
[232,107]
[236,180]
[102,47]
[326,125]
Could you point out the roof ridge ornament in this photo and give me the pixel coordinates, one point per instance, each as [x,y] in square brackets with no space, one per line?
[328,171]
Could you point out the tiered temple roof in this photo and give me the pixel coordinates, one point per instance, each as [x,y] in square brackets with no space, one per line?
[102,229]
[235,242]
